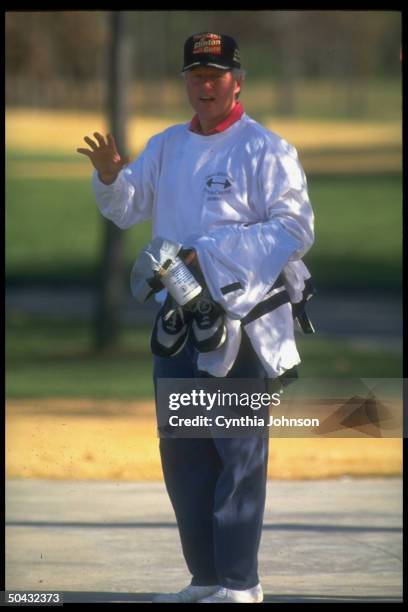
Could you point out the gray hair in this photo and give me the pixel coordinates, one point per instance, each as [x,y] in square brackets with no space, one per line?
[238,74]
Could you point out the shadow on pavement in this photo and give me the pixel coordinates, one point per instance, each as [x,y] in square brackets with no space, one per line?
[166,525]
[105,597]
[326,599]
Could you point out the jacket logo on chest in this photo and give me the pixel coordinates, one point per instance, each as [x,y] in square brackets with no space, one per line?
[217,184]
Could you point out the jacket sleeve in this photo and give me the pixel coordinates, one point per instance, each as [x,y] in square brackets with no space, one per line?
[130,198]
[283,197]
[241,262]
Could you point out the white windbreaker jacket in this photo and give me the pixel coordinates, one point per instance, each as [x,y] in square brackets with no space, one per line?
[239,197]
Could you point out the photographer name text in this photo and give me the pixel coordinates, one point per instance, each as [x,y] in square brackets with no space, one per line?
[243,421]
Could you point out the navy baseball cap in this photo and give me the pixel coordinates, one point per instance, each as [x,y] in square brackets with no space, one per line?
[208,49]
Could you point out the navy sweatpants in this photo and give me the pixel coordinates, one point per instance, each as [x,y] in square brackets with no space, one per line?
[217,486]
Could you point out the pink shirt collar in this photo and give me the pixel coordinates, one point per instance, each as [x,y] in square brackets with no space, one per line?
[234,116]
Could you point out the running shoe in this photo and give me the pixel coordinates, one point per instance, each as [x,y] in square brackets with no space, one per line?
[170,330]
[208,330]
[190,594]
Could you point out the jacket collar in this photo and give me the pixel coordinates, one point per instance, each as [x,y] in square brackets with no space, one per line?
[235,114]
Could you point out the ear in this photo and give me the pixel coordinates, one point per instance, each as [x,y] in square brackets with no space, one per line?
[237,88]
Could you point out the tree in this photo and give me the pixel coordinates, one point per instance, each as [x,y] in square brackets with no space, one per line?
[110,286]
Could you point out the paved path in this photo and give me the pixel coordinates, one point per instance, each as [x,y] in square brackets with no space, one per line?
[368,318]
[323,541]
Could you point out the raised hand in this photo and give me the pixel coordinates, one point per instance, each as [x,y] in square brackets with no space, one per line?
[104,157]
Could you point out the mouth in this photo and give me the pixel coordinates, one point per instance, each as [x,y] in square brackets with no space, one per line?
[207,99]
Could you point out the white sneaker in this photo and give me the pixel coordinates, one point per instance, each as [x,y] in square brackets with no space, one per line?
[223,595]
[190,594]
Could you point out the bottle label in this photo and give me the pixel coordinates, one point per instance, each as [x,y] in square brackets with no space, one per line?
[180,283]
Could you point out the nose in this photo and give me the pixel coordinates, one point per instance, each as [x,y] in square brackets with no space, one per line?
[207,81]
[207,86]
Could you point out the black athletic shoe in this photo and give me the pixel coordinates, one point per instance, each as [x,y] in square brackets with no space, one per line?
[208,330]
[170,330]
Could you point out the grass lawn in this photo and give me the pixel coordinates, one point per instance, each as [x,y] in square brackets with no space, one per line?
[358,226]
[54,231]
[60,238]
[54,358]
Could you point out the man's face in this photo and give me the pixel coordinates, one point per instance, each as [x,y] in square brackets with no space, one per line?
[211,92]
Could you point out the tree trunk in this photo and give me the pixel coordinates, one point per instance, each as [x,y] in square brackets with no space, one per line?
[111,281]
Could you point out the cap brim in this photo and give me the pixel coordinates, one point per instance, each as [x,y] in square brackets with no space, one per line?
[204,63]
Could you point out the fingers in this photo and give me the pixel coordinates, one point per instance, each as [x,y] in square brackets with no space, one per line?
[86,152]
[110,141]
[191,257]
[102,148]
[91,143]
[100,139]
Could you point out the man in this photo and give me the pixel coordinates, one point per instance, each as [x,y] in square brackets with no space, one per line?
[235,196]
